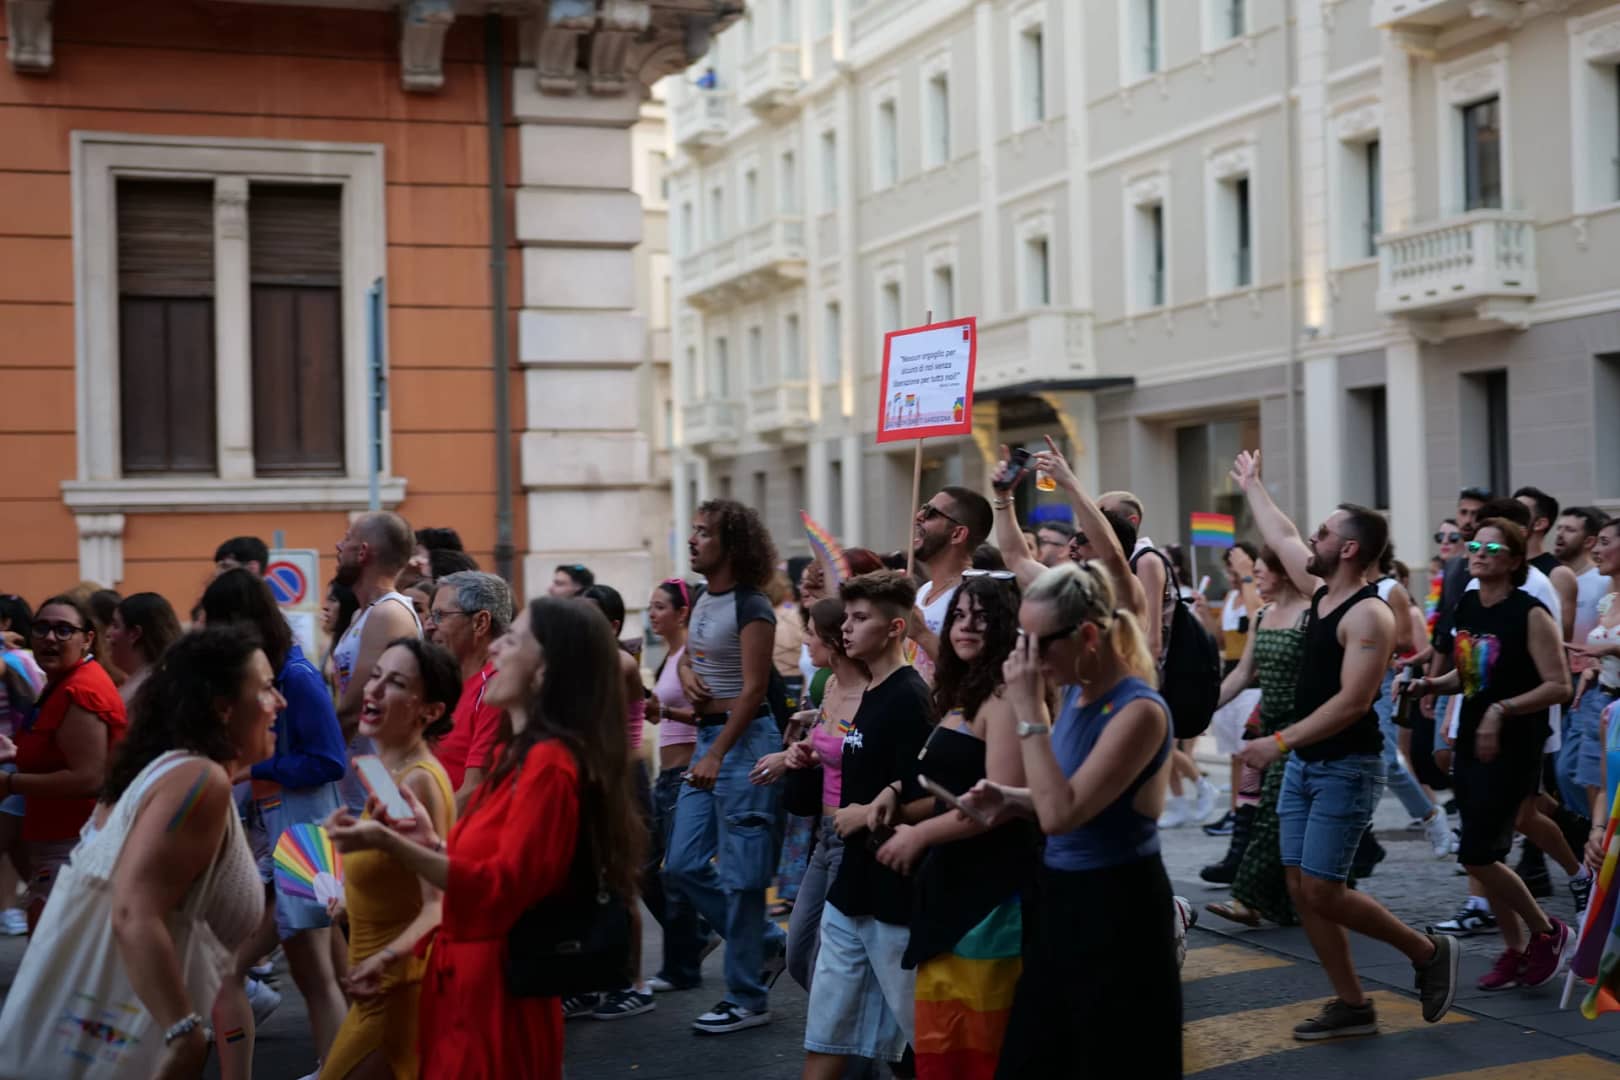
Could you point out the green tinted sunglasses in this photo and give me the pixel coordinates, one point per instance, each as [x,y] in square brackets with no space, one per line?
[1475,547]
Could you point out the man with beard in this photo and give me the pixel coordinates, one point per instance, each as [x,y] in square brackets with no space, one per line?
[1335,771]
[944,533]
[370,556]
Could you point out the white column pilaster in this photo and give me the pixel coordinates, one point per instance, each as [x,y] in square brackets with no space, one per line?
[101,548]
[818,479]
[233,349]
[1408,447]
[1395,150]
[1323,437]
[991,248]
[1312,165]
[855,465]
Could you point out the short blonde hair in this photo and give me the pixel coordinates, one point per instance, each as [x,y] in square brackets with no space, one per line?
[1081,593]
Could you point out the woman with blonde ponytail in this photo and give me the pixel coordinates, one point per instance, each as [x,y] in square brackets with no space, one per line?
[1100,953]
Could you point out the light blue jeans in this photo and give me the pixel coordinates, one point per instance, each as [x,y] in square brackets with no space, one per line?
[1323,809]
[1396,775]
[733,824]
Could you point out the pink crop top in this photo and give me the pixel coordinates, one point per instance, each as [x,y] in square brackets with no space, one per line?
[830,749]
[636,715]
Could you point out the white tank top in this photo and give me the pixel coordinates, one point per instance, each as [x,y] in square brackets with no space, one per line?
[1590,588]
[347,651]
[1608,666]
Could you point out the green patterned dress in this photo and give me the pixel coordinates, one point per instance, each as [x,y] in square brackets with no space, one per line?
[1259,884]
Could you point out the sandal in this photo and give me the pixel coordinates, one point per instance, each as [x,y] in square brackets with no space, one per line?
[1235,912]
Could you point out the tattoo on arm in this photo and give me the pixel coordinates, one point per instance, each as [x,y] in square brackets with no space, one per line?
[188,805]
[1369,645]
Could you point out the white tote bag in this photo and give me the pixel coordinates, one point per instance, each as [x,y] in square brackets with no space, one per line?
[71,1011]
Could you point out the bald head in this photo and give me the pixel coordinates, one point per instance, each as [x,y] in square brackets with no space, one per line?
[1123,503]
[388,536]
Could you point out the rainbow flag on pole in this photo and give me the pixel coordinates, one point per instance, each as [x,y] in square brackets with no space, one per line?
[1213,530]
[827,549]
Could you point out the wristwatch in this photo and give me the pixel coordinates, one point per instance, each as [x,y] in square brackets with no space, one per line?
[1026,730]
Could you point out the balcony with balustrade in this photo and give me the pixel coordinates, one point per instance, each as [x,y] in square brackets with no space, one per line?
[710,423]
[758,260]
[780,412]
[701,118]
[1417,24]
[1048,343]
[1480,263]
[770,79]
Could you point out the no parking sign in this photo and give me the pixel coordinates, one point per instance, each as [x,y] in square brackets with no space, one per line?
[291,575]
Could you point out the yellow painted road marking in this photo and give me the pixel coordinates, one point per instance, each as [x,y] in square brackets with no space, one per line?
[1574,1067]
[1244,1036]
[1216,960]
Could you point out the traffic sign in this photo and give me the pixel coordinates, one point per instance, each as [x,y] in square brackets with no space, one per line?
[292,575]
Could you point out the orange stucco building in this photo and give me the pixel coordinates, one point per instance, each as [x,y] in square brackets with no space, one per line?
[269,83]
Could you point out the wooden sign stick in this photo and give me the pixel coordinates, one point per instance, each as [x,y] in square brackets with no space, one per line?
[916,487]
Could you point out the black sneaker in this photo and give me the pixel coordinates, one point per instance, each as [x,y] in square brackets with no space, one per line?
[727,1017]
[580,1005]
[1537,880]
[1221,873]
[1581,889]
[1468,922]
[1338,1021]
[1222,826]
[624,1003]
[1436,981]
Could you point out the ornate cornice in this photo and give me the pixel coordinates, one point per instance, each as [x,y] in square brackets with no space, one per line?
[611,47]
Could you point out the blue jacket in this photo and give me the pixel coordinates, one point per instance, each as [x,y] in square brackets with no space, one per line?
[309,742]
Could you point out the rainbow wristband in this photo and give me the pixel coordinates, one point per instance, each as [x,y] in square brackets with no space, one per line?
[1280,744]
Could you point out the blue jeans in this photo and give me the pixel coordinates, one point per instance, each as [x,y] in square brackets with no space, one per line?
[1580,760]
[683,935]
[734,824]
[1323,809]
[1397,775]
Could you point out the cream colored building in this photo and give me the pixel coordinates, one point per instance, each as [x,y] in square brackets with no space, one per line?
[1373,237]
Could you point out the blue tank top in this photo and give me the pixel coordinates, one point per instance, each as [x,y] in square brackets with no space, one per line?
[1119,834]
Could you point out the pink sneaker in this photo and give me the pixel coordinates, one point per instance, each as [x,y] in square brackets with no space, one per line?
[1506,972]
[1545,955]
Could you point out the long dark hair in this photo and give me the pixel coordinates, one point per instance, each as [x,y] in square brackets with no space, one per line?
[177,706]
[959,684]
[238,596]
[581,704]
[348,604]
[154,618]
[440,676]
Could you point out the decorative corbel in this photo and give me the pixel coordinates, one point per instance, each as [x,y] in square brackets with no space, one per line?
[622,22]
[422,27]
[557,57]
[28,36]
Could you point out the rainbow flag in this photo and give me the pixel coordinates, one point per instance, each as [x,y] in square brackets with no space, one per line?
[1213,530]
[827,549]
[1597,954]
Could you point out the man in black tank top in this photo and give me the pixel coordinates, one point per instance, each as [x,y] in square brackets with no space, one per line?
[1335,771]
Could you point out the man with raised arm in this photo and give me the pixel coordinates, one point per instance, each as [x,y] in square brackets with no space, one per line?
[1335,771]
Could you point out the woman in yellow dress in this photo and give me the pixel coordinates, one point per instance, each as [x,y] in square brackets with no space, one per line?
[408,701]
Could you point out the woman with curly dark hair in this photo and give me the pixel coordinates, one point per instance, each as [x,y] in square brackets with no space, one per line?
[969,878]
[559,793]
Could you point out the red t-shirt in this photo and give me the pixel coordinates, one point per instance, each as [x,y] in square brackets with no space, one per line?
[90,688]
[475,727]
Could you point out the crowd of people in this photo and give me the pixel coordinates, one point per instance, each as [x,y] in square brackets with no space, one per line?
[945,771]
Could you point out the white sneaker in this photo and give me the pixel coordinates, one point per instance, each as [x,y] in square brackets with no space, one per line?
[1203,801]
[1438,831]
[263,1001]
[14,922]
[1177,812]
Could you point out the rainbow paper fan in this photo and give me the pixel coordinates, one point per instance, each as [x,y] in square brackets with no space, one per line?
[307,865]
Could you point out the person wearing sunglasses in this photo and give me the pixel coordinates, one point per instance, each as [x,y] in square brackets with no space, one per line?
[1448,539]
[1510,670]
[945,532]
[62,752]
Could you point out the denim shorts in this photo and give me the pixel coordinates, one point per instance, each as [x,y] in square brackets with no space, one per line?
[1323,810]
[1587,720]
[862,1002]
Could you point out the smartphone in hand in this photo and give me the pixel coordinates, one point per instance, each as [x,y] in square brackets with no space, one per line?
[380,783]
[946,796]
[1013,471]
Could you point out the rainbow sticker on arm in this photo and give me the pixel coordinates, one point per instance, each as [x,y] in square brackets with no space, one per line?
[307,865]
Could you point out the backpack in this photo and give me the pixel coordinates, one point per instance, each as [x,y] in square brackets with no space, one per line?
[778,698]
[1190,670]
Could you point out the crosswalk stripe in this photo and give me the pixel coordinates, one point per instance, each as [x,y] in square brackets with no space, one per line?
[1243,1036]
[1573,1067]
[1217,960]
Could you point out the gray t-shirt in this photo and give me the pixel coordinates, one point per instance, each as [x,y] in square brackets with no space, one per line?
[715,644]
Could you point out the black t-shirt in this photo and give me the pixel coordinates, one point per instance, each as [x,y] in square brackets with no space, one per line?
[1492,650]
[1319,681]
[881,747]
[1546,562]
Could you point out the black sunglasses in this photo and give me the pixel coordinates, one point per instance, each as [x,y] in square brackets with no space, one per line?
[1447,538]
[929,512]
[1045,641]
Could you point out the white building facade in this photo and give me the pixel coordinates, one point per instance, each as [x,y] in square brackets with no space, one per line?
[1371,237]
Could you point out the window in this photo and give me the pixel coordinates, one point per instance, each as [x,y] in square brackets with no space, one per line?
[787,22]
[669,425]
[751,197]
[694,388]
[659,165]
[832,343]
[1605,406]
[1148,288]
[942,293]
[717,214]
[1237,19]
[789,186]
[1243,236]
[1366,479]
[722,369]
[756,356]
[1140,40]
[686,238]
[886,151]
[1037,273]
[1482,156]
[1594,60]
[1231,235]
[829,170]
[725,486]
[166,325]
[835,499]
[296,283]
[1373,208]
[1032,75]
[1204,453]
[760,493]
[937,139]
[792,349]
[796,488]
[1483,431]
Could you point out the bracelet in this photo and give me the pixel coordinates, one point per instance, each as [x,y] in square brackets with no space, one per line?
[1281,745]
[182,1027]
[1000,504]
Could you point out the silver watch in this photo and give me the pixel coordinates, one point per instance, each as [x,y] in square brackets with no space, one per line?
[181,1028]
[1026,730]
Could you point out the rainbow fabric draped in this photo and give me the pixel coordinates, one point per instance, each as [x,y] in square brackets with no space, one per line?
[1597,956]
[965,996]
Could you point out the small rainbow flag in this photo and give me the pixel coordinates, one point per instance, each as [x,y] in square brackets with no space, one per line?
[827,549]
[1213,530]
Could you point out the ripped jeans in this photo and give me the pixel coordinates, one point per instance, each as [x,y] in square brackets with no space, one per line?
[721,856]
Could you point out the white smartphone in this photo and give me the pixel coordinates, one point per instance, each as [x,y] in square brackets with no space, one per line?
[1203,585]
[940,791]
[380,782]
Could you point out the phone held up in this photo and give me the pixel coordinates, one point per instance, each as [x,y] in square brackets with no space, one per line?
[1017,467]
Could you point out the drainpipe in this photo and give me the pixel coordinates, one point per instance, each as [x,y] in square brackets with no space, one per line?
[496,132]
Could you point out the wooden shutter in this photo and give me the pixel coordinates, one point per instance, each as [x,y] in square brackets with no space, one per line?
[295,243]
[166,326]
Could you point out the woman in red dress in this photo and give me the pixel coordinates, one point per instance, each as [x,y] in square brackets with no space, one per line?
[557,676]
